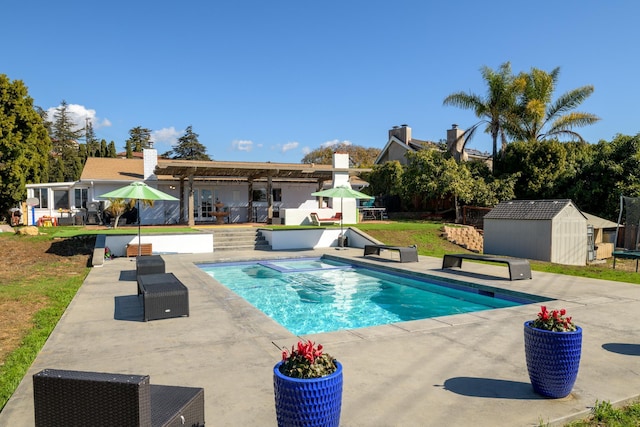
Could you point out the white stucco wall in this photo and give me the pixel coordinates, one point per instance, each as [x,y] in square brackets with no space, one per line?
[302,239]
[195,243]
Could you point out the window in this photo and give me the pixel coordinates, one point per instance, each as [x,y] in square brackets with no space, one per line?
[60,199]
[80,197]
[277,194]
[259,195]
[42,194]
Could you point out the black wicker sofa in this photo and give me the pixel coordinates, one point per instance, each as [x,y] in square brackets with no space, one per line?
[77,398]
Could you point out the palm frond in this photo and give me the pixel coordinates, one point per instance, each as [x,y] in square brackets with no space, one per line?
[569,100]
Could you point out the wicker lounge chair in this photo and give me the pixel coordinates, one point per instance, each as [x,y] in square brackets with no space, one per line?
[77,398]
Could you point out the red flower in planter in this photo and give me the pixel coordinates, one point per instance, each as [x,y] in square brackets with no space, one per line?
[553,321]
[307,361]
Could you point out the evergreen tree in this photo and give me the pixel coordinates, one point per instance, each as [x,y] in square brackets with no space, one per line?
[189,148]
[63,131]
[111,150]
[82,153]
[65,136]
[90,139]
[103,148]
[129,149]
[24,143]
[139,138]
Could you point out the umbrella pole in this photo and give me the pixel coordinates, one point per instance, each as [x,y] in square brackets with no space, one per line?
[341,219]
[139,237]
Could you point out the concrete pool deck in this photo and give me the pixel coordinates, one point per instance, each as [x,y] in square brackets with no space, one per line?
[459,370]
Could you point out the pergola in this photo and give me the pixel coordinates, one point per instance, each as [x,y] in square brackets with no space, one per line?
[190,170]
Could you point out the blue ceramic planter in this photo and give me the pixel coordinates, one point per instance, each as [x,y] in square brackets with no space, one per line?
[314,402]
[553,359]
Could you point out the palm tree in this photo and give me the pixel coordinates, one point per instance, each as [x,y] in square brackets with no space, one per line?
[536,112]
[494,108]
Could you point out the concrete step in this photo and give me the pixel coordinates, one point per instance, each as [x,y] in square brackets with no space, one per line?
[239,239]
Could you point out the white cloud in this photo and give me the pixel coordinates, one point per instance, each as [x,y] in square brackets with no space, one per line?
[166,136]
[242,145]
[306,150]
[289,146]
[79,114]
[335,142]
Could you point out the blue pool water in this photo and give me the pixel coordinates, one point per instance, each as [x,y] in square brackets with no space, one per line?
[309,296]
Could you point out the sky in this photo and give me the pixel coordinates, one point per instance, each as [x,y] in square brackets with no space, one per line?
[271,81]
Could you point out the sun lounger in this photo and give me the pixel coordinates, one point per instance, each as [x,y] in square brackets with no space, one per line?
[518,268]
[325,221]
[407,253]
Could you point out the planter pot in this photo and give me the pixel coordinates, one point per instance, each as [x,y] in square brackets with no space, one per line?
[308,402]
[553,359]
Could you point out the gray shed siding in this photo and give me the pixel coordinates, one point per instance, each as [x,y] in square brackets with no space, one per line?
[553,231]
[518,238]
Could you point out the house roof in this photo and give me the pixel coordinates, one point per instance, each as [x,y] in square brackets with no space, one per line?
[108,169]
[529,209]
[249,170]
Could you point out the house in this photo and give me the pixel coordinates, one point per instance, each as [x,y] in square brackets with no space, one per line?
[401,141]
[545,230]
[239,192]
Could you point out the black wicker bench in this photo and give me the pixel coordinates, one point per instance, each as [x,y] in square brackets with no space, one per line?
[163,296]
[407,253]
[152,264]
[77,398]
[518,268]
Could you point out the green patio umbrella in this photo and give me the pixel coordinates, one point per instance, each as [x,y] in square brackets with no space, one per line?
[344,192]
[138,190]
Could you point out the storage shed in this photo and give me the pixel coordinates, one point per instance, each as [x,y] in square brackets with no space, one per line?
[545,230]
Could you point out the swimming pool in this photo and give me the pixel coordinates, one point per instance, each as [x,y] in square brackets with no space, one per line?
[314,295]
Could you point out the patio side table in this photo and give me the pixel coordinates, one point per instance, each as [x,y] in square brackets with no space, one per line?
[163,296]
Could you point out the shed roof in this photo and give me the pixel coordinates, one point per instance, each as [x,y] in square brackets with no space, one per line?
[598,222]
[528,209]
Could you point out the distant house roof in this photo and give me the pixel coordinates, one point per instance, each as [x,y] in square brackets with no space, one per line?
[387,153]
[529,209]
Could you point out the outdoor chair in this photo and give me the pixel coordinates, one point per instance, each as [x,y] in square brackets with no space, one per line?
[77,398]
[325,221]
